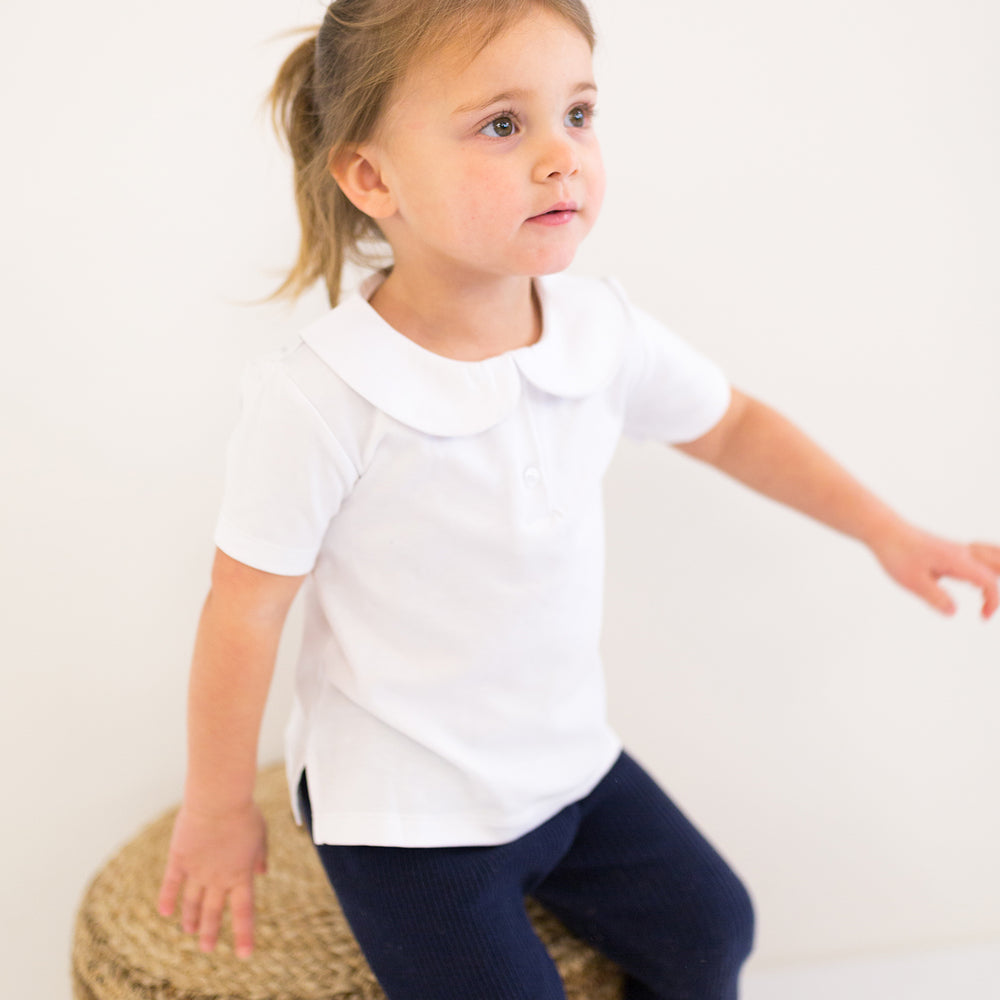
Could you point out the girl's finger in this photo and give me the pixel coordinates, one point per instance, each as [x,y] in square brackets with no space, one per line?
[982,572]
[991,598]
[172,880]
[241,908]
[212,906]
[191,907]
[988,554]
[937,597]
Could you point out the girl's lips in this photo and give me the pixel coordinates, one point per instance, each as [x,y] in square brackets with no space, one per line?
[557,215]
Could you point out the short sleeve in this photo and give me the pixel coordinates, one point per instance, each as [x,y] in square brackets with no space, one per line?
[286,476]
[674,393]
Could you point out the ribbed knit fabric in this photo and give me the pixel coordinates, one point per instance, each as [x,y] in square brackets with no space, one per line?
[622,868]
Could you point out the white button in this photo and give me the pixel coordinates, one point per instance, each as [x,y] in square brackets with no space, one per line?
[532,477]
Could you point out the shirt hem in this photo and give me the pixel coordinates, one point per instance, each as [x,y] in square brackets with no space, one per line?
[445,830]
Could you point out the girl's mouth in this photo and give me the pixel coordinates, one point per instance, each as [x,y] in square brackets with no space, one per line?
[557,215]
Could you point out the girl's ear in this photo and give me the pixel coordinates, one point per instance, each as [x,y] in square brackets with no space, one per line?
[357,174]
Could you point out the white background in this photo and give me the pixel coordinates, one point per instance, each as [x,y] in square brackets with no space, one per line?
[807,191]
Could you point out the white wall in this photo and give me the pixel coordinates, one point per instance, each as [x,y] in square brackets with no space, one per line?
[806,191]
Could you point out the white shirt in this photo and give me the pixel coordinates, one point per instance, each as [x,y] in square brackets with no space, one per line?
[450,689]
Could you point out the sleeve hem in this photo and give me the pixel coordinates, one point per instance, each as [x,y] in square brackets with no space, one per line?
[701,423]
[265,556]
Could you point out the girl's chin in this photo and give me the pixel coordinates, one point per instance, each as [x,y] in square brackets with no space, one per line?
[554,264]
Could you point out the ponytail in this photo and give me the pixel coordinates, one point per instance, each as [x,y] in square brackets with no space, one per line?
[332,230]
[296,120]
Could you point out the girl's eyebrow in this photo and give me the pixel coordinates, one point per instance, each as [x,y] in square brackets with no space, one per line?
[513,95]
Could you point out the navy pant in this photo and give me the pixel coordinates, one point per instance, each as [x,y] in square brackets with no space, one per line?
[622,868]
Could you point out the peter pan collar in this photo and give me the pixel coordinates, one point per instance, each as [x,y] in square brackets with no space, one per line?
[579,352]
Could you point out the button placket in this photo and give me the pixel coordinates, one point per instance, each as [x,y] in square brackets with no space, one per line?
[535,475]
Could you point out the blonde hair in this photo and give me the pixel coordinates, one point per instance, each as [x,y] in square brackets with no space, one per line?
[332,91]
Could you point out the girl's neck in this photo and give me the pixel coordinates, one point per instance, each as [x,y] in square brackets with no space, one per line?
[467,323]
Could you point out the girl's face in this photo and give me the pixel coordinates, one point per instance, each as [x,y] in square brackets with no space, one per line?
[492,167]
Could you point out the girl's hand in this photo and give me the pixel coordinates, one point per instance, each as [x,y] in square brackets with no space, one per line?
[213,859]
[917,561]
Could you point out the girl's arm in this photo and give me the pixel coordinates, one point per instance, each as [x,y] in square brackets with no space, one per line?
[218,842]
[760,448]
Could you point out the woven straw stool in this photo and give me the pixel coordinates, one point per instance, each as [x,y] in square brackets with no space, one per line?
[304,949]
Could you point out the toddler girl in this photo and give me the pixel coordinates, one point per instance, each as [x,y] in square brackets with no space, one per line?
[429,458]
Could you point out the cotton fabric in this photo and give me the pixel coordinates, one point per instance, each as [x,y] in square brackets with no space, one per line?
[450,689]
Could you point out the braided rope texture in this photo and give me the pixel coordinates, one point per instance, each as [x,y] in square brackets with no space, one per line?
[304,950]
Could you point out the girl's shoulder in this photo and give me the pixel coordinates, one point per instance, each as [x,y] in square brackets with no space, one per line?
[291,394]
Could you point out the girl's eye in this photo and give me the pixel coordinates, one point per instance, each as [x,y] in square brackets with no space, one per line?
[500,128]
[580,116]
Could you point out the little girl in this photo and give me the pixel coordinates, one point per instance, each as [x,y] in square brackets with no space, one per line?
[429,458]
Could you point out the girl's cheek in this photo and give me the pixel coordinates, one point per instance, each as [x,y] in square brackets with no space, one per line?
[597,182]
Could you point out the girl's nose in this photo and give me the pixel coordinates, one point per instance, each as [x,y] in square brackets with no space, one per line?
[557,157]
